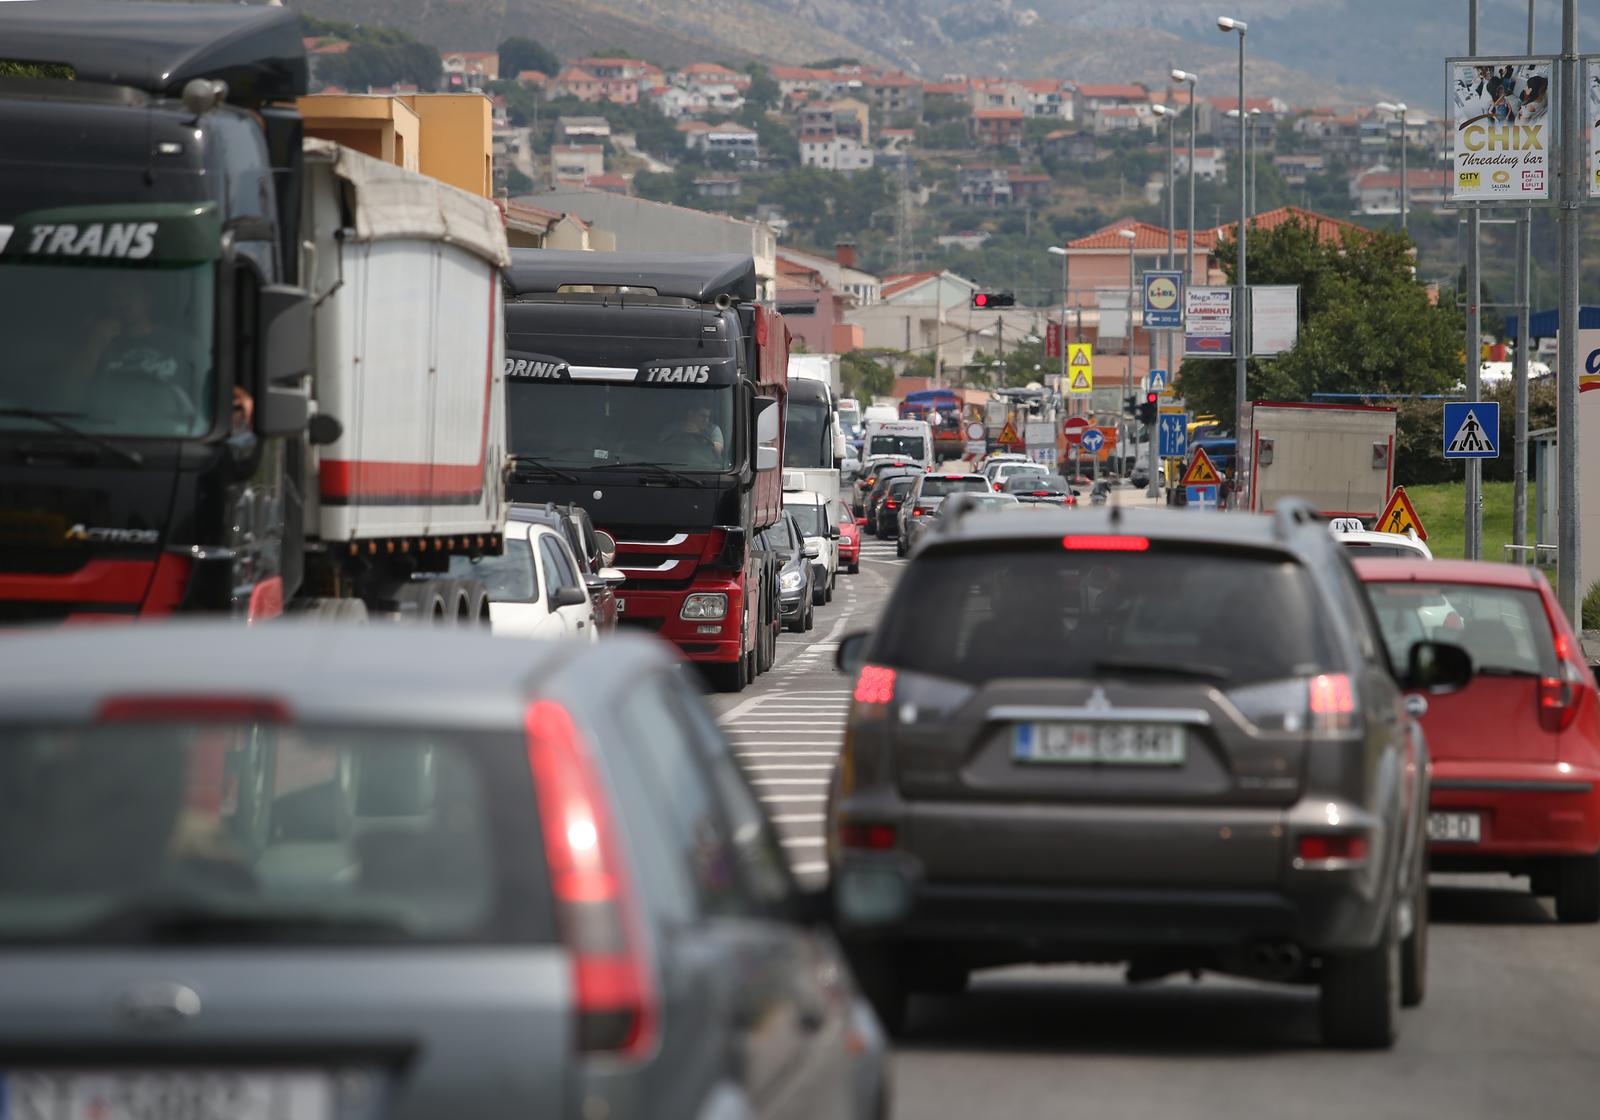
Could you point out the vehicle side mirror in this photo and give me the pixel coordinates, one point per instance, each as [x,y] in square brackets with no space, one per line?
[766,420]
[1437,667]
[612,576]
[852,652]
[766,459]
[282,405]
[568,597]
[812,552]
[607,544]
[833,532]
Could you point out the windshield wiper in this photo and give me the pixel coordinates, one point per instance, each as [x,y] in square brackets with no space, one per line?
[660,471]
[520,461]
[1164,669]
[54,419]
[168,920]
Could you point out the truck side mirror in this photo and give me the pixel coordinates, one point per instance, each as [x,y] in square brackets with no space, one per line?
[283,361]
[766,427]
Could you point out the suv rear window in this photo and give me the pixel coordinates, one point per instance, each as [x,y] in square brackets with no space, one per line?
[1505,629]
[936,487]
[148,832]
[1040,611]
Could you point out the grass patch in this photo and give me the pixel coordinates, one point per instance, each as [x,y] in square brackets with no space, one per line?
[1441,507]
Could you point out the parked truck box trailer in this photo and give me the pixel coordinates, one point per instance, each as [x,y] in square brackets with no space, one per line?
[1340,458]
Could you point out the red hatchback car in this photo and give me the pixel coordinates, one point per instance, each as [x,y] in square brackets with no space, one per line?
[849,537]
[1516,753]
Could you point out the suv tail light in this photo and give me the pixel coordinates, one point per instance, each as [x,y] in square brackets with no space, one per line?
[1331,848]
[1331,700]
[870,837]
[613,979]
[875,685]
[918,512]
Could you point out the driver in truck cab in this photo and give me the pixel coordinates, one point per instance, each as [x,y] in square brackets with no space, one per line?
[696,421]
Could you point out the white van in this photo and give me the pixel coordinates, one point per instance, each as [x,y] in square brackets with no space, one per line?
[911,440]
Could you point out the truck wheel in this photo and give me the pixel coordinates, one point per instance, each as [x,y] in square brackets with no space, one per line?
[473,606]
[767,648]
[344,612]
[1361,995]
[427,603]
[731,677]
[1578,890]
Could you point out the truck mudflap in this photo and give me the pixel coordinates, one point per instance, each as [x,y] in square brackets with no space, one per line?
[719,641]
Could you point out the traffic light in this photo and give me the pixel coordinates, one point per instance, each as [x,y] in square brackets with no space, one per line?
[1150,408]
[988,301]
[1130,407]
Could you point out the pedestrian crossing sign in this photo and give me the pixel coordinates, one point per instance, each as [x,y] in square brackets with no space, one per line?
[1080,367]
[1472,430]
[1400,516]
[1159,382]
[1202,471]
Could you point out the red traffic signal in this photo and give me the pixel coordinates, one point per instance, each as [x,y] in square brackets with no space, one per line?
[984,301]
[980,299]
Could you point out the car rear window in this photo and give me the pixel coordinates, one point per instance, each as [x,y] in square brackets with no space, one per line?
[936,487]
[145,832]
[509,577]
[1364,551]
[1505,629]
[1028,482]
[1238,616]
[808,517]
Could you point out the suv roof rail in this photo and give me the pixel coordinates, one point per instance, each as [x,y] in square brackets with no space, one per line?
[1291,514]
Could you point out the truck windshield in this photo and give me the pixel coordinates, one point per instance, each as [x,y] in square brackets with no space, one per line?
[807,441]
[912,447]
[590,424]
[119,351]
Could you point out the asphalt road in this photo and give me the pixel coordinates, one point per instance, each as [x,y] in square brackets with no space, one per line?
[1510,1028]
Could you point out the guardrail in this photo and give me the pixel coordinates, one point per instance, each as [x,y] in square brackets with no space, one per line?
[1538,555]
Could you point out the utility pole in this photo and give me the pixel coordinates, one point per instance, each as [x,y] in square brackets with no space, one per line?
[1569,549]
[1241,275]
[1473,514]
[1519,465]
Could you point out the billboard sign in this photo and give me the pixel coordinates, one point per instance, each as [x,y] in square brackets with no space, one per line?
[1502,130]
[1208,322]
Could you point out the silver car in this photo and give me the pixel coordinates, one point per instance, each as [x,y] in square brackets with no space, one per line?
[328,874]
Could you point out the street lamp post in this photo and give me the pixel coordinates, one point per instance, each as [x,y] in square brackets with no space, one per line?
[1181,76]
[1230,26]
[1152,488]
[1060,251]
[1399,110]
[1131,238]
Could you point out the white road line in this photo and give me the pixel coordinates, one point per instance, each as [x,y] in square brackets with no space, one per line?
[785,798]
[799,818]
[816,867]
[788,754]
[791,781]
[768,767]
[801,841]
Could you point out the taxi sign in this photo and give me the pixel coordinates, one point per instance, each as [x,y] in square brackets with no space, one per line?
[1202,471]
[1080,367]
[1347,525]
[1008,434]
[1400,516]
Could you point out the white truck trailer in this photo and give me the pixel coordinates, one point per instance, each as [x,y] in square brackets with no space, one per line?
[1340,458]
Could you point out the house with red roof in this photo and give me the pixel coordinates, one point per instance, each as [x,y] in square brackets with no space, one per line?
[1090,96]
[470,69]
[578,83]
[1049,98]
[994,128]
[894,94]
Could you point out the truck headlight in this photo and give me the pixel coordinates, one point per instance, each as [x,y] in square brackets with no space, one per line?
[707,605]
[791,581]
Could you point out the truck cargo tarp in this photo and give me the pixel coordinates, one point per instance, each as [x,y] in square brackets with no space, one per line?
[389,203]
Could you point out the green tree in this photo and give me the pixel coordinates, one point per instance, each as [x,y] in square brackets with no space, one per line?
[764,93]
[864,377]
[519,53]
[1366,322]
[34,70]
[517,183]
[378,56]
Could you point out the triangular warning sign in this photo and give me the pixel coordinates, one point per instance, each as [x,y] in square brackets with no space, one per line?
[1202,471]
[1470,438]
[1080,357]
[1080,382]
[1400,515]
[1009,434]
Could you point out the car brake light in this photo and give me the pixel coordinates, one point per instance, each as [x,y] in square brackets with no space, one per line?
[872,837]
[918,512]
[192,709]
[1105,543]
[1331,700]
[875,685]
[1558,698]
[890,503]
[997,488]
[1344,847]
[613,982]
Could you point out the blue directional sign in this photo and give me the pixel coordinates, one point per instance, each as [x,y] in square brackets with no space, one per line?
[1174,442]
[1093,440]
[1472,430]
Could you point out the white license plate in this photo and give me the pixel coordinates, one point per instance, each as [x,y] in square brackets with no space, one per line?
[1113,744]
[153,1095]
[1455,828]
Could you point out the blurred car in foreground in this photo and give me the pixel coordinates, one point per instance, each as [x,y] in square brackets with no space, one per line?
[1094,750]
[1516,754]
[321,873]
